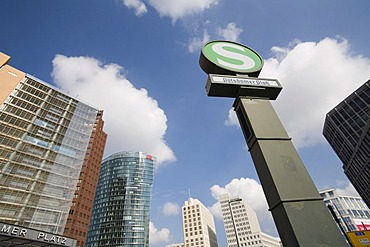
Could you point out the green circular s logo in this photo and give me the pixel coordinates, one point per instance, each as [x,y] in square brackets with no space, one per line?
[226,57]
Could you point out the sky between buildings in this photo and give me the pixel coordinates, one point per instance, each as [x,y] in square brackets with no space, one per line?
[138,61]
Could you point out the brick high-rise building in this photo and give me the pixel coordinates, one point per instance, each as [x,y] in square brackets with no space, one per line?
[51,148]
[79,215]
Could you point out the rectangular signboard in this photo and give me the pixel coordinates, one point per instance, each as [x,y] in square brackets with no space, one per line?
[235,86]
[362,224]
[359,238]
[18,234]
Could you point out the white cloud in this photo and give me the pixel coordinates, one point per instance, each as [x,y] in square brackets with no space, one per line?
[137,5]
[171,208]
[196,44]
[232,119]
[215,209]
[173,9]
[180,8]
[231,32]
[161,236]
[316,76]
[348,190]
[133,120]
[251,192]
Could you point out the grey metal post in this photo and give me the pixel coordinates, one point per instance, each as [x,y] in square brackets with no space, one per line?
[299,212]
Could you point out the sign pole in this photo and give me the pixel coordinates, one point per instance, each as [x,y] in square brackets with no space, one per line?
[299,212]
[298,209]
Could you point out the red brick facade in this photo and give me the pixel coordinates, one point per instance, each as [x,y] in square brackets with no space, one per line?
[79,215]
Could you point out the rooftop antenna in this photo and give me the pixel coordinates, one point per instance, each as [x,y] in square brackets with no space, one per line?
[189,193]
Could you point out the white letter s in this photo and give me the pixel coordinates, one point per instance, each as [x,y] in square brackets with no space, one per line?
[247,62]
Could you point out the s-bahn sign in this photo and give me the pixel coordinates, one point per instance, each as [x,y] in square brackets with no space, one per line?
[234,86]
[230,58]
[233,70]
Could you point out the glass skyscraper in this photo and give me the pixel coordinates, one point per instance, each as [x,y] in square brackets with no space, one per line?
[347,129]
[45,135]
[120,215]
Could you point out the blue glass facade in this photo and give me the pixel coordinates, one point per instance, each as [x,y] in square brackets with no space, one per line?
[120,215]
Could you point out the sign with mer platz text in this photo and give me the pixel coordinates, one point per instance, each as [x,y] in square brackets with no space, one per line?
[34,236]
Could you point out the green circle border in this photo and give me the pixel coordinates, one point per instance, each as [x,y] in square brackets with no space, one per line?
[208,52]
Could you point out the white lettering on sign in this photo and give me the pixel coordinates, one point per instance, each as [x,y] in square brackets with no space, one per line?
[246,62]
[23,232]
[5,229]
[364,241]
[17,231]
[53,238]
[245,81]
[13,230]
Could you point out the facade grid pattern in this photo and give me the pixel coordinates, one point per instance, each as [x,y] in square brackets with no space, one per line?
[352,212]
[44,135]
[241,225]
[120,215]
[175,245]
[347,129]
[79,214]
[198,224]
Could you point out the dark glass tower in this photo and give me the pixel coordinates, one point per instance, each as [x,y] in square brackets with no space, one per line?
[347,129]
[120,215]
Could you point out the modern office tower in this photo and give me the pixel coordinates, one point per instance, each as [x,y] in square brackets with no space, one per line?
[241,224]
[198,224]
[351,211]
[347,129]
[120,215]
[45,136]
[175,245]
[79,214]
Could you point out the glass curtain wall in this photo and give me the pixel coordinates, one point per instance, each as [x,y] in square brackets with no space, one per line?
[44,135]
[120,215]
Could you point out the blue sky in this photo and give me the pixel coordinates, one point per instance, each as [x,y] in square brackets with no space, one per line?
[138,61]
